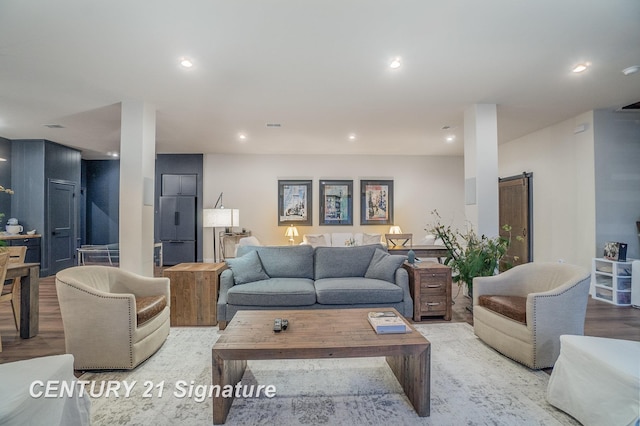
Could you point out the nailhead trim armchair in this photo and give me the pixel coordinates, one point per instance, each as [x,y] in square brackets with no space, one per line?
[101,328]
[556,303]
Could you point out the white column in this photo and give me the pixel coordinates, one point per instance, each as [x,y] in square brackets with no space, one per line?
[481,168]
[137,172]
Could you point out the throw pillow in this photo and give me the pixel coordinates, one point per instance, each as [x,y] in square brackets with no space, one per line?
[247,268]
[370,239]
[316,240]
[383,266]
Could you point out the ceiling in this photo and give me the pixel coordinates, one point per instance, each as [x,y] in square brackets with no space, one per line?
[318,68]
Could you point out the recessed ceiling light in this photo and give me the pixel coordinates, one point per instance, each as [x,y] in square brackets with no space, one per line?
[395,63]
[581,67]
[631,70]
[113,154]
[3,159]
[242,136]
[186,62]
[450,138]
[352,137]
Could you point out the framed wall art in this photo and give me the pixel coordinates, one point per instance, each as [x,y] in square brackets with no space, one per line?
[336,202]
[294,202]
[376,202]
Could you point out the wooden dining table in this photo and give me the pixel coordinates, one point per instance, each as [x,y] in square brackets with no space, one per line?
[29,274]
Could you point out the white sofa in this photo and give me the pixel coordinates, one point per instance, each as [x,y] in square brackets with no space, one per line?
[20,379]
[597,380]
[342,239]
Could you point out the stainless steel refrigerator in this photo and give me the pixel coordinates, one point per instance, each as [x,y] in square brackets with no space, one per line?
[178,229]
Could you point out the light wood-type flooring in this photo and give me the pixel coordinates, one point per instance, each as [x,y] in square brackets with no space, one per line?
[603,320]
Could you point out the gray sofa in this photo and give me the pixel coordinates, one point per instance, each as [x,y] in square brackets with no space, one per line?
[303,277]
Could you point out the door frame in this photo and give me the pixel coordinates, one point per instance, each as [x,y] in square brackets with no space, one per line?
[529,177]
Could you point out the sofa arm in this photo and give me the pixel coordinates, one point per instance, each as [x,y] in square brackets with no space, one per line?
[402,281]
[566,305]
[226,282]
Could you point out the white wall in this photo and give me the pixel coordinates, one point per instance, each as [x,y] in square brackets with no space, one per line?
[562,163]
[249,183]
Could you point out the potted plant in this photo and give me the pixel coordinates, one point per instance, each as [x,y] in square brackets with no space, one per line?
[471,255]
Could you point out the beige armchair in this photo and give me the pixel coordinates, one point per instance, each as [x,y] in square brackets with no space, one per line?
[522,312]
[112,319]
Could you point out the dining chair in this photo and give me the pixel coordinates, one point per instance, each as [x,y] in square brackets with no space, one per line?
[11,288]
[4,260]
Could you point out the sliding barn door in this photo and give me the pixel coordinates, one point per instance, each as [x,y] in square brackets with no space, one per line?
[516,211]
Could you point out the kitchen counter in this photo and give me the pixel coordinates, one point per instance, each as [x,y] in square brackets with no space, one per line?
[5,236]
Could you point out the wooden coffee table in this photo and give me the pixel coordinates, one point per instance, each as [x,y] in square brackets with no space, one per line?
[322,333]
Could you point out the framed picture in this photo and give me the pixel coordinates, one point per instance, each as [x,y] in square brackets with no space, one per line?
[615,251]
[294,202]
[376,202]
[336,202]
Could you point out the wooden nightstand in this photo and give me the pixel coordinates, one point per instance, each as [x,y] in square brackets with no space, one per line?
[430,285]
[194,292]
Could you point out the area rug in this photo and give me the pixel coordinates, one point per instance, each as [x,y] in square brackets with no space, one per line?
[471,384]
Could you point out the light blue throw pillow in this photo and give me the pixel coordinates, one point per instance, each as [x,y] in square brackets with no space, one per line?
[383,266]
[247,268]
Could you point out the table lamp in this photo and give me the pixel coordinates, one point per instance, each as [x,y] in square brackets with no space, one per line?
[291,232]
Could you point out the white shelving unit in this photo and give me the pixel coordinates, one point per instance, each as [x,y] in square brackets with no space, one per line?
[611,281]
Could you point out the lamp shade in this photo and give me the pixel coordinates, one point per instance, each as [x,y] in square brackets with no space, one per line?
[291,231]
[220,218]
[395,230]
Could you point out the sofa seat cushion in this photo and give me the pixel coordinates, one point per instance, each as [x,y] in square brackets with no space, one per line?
[273,292]
[149,306]
[351,291]
[513,307]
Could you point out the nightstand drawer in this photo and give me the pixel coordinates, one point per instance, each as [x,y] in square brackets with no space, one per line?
[433,277]
[433,305]
[434,288]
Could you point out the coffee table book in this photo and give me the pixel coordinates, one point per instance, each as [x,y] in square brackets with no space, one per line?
[387,322]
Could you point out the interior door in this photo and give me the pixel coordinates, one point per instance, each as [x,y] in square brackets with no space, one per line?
[515,210]
[62,224]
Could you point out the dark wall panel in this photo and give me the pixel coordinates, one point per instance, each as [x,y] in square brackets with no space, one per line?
[102,201]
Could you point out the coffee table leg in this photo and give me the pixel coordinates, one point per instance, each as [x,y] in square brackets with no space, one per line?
[414,375]
[224,372]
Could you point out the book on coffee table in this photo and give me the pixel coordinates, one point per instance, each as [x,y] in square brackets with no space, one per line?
[387,322]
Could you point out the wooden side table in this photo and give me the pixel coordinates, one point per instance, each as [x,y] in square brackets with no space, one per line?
[430,285]
[194,292]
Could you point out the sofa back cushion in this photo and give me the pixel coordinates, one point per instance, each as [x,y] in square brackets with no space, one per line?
[284,261]
[337,262]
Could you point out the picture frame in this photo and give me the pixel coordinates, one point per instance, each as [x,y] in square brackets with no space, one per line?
[336,202]
[615,251]
[295,202]
[376,202]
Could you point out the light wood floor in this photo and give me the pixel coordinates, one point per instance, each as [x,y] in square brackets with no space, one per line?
[603,320]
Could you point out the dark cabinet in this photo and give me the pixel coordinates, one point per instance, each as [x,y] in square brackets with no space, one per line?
[33,248]
[179,185]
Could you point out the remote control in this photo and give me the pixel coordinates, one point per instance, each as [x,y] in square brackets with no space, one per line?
[277,325]
[285,324]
